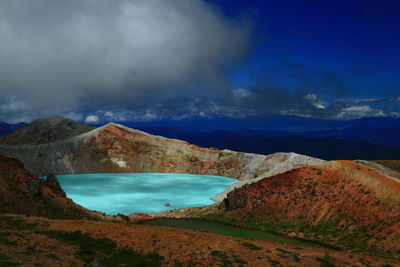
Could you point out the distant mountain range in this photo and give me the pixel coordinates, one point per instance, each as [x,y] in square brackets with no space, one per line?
[45,131]
[367,138]
[6,128]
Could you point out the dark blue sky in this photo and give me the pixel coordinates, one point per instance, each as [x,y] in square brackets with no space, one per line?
[129,60]
[358,40]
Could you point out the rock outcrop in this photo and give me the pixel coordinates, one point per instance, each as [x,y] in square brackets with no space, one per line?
[338,202]
[23,193]
[114,148]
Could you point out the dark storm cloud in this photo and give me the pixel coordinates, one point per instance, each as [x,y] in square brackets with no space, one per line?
[59,55]
[290,89]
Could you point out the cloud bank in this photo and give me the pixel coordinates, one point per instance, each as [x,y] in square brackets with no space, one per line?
[59,55]
[142,60]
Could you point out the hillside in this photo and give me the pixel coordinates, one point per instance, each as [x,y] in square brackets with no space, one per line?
[22,193]
[392,164]
[44,131]
[35,241]
[115,148]
[354,206]
[361,142]
[340,202]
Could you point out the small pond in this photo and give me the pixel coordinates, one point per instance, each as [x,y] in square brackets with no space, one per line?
[226,229]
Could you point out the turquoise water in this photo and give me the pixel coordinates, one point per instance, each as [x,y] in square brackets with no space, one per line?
[127,193]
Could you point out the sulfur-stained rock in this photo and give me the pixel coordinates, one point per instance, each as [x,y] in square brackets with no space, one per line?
[347,196]
[52,182]
[116,148]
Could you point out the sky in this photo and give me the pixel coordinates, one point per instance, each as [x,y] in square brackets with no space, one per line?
[147,60]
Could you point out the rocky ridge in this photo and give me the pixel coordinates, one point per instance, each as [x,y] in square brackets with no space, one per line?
[116,148]
[23,193]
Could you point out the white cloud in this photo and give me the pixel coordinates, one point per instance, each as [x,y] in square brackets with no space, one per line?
[395,114]
[92,119]
[241,93]
[313,99]
[354,112]
[318,105]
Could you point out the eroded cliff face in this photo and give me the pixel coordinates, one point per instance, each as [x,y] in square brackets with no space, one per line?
[114,148]
[339,202]
[23,193]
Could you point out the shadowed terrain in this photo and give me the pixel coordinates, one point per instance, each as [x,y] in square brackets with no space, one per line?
[349,205]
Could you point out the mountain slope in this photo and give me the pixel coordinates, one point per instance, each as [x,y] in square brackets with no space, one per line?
[115,148]
[6,128]
[363,141]
[45,131]
[22,193]
[65,243]
[341,202]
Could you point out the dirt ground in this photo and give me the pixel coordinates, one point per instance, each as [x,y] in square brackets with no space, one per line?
[26,246]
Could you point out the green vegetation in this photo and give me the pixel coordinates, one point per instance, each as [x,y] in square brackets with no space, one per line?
[217,225]
[16,223]
[218,254]
[273,262]
[356,240]
[284,251]
[4,240]
[250,246]
[52,256]
[296,257]
[5,261]
[327,261]
[222,256]
[104,250]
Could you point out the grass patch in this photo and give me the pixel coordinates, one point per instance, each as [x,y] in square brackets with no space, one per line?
[250,246]
[296,258]
[4,240]
[218,254]
[5,261]
[327,261]
[104,250]
[284,251]
[357,240]
[17,223]
[52,256]
[273,262]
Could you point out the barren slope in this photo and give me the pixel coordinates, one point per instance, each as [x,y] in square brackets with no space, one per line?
[341,202]
[392,164]
[23,193]
[36,241]
[115,148]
